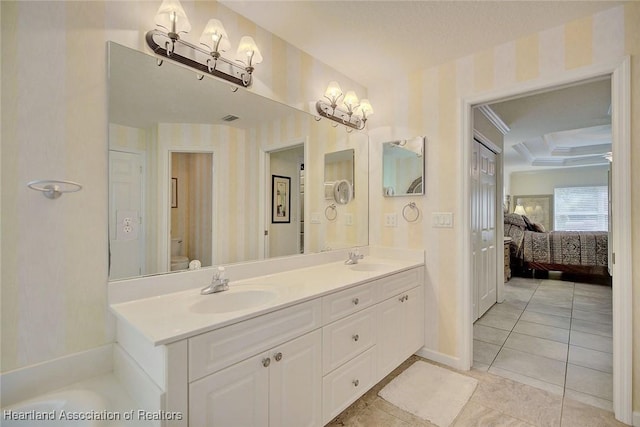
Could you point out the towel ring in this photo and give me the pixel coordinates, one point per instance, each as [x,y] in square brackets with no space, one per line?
[331,212]
[53,188]
[411,217]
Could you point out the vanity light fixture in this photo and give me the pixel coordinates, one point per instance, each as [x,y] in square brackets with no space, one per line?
[353,115]
[167,43]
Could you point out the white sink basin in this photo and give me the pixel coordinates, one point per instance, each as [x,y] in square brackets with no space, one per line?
[232,300]
[369,267]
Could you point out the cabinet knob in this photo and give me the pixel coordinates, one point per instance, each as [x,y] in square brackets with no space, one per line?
[406,297]
[278,357]
[401,299]
[356,301]
[356,337]
[266,362]
[356,383]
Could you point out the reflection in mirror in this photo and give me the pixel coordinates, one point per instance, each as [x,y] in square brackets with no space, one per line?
[338,167]
[164,123]
[403,167]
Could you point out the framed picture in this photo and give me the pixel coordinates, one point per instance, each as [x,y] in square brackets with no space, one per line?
[280,199]
[174,192]
[538,208]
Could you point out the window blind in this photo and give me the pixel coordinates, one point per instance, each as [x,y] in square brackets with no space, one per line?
[581,208]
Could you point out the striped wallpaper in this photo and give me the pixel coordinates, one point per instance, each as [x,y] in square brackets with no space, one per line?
[426,103]
[54,254]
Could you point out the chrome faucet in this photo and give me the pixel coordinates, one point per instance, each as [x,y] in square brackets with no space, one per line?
[219,283]
[354,257]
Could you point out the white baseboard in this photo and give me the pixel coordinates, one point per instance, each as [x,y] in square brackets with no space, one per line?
[34,380]
[436,356]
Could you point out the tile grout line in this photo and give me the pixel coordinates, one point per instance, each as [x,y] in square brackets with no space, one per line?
[512,328]
[566,366]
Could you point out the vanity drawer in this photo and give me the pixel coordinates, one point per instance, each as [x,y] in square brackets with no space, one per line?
[344,385]
[218,349]
[346,338]
[392,285]
[344,303]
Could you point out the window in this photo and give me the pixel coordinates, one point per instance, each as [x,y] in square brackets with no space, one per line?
[581,209]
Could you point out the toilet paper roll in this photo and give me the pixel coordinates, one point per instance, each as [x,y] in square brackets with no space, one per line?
[195,265]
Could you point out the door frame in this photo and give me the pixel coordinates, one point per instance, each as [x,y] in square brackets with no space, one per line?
[164,242]
[620,73]
[265,182]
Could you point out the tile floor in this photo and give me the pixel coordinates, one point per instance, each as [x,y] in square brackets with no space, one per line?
[553,335]
[496,401]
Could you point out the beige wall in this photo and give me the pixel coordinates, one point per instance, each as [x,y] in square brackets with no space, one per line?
[54,253]
[544,182]
[54,125]
[427,102]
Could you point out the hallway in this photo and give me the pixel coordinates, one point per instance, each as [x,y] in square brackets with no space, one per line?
[551,334]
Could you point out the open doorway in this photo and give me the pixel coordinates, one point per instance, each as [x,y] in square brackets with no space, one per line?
[284,231]
[191,209]
[621,214]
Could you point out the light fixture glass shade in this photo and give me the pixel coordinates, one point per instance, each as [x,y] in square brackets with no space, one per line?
[333,91]
[351,100]
[248,52]
[519,210]
[172,17]
[214,32]
[365,108]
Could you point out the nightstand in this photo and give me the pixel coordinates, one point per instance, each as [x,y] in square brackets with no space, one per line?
[507,259]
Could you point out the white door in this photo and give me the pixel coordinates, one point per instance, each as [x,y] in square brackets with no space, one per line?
[126,235]
[235,396]
[483,227]
[295,382]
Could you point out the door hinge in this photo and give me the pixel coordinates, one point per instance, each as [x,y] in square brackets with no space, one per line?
[266,232]
[613,258]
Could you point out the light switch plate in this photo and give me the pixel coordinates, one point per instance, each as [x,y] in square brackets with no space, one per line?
[315,218]
[442,219]
[348,219]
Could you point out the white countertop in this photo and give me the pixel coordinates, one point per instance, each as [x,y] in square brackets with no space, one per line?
[170,317]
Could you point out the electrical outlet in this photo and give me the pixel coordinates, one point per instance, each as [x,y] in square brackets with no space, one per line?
[391,220]
[348,219]
[315,218]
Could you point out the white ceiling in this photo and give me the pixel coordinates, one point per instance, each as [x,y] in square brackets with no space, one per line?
[370,41]
[565,127]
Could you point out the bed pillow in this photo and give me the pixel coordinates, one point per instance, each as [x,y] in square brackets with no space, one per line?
[537,227]
[515,219]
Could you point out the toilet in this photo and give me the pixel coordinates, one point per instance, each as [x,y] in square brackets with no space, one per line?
[178,261]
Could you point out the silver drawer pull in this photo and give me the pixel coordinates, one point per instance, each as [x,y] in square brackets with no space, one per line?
[278,357]
[266,362]
[356,337]
[356,301]
[356,383]
[401,299]
[406,297]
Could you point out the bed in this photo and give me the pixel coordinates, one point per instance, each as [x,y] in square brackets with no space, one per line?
[532,248]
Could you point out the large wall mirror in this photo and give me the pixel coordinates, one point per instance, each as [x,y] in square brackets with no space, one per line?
[190,172]
[403,167]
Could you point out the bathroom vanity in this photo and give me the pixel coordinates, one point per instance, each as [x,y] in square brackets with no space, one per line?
[293,348]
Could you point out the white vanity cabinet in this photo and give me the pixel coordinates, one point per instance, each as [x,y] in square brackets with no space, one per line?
[280,387]
[400,329]
[299,365]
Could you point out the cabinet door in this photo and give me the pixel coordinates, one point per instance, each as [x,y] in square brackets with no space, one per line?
[390,334]
[295,382]
[400,329]
[414,325]
[235,396]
